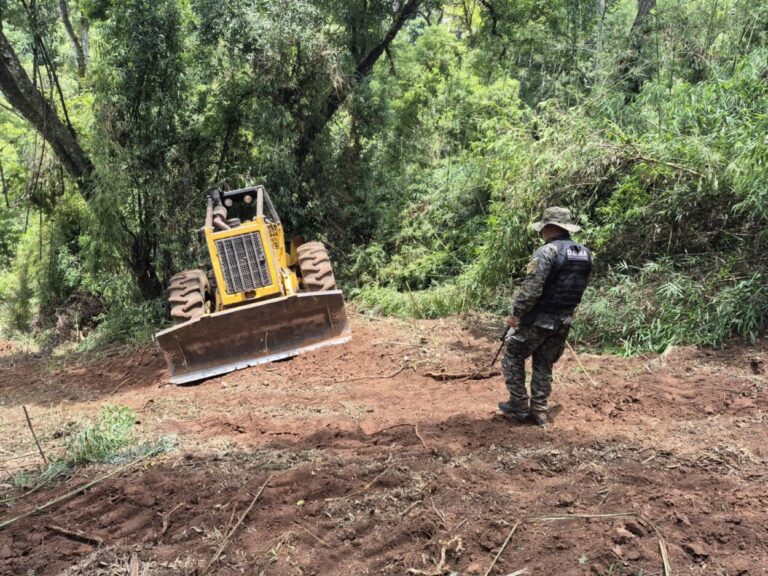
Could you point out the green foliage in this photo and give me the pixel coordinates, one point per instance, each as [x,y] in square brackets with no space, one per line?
[437,301]
[424,179]
[111,438]
[126,322]
[677,172]
[100,439]
[662,305]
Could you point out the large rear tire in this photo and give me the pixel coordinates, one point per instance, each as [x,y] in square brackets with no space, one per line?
[315,267]
[188,293]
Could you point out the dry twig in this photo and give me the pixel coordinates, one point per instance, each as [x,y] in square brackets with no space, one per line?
[315,536]
[29,422]
[503,547]
[77,535]
[410,507]
[420,437]
[116,388]
[439,513]
[383,377]
[663,548]
[455,544]
[167,518]
[228,537]
[591,380]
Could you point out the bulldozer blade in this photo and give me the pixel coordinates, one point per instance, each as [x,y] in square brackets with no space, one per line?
[253,334]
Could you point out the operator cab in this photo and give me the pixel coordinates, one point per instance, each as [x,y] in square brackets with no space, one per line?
[229,209]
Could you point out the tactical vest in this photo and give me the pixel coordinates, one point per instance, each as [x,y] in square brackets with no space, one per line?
[567,280]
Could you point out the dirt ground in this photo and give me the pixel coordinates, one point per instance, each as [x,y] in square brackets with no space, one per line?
[374,467]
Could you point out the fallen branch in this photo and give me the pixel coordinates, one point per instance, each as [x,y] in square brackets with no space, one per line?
[395,373]
[479,375]
[228,537]
[77,535]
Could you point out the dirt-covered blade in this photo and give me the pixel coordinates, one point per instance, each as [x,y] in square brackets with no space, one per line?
[253,334]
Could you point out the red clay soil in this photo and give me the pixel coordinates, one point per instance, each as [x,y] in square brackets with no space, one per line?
[376,468]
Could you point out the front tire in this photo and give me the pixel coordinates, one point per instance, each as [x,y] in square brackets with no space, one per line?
[188,295]
[315,267]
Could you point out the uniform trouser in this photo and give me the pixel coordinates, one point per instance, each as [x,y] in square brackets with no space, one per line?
[546,346]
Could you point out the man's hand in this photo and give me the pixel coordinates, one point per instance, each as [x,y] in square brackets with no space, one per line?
[513,321]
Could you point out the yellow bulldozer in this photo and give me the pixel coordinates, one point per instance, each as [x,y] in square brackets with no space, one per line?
[262,300]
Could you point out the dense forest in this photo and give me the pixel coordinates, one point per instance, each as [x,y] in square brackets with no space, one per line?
[416,138]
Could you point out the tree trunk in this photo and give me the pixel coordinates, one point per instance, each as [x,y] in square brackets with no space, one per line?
[143,268]
[38,111]
[80,56]
[363,68]
[600,22]
[631,67]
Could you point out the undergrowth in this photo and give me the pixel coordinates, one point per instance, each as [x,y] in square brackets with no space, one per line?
[125,323]
[110,438]
[663,304]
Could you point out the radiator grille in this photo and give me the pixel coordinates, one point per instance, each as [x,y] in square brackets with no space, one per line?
[243,262]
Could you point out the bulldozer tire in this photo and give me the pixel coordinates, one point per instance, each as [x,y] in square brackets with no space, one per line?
[187,295]
[315,267]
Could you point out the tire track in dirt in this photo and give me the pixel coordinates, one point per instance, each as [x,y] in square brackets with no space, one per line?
[677,439]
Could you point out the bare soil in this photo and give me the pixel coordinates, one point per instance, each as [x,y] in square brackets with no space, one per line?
[374,467]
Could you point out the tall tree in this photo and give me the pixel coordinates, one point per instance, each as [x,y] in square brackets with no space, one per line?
[26,98]
[632,69]
[79,44]
[140,102]
[367,56]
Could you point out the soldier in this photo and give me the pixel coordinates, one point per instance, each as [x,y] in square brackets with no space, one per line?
[555,280]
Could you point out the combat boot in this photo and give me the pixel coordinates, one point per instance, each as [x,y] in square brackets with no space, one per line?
[538,418]
[511,411]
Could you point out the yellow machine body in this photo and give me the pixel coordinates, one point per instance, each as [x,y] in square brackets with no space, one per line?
[258,308]
[283,279]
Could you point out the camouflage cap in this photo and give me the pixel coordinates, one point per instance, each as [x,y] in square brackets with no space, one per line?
[557,216]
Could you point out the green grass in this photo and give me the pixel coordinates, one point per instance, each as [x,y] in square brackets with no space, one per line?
[110,439]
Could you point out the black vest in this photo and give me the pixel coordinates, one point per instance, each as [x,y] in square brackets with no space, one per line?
[567,280]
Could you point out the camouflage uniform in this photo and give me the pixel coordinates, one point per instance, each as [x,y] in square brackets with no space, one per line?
[542,337]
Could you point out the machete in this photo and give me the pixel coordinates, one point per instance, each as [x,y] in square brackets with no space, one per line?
[503,338]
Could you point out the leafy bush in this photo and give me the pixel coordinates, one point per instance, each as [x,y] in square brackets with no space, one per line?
[663,304]
[126,322]
[674,208]
[100,439]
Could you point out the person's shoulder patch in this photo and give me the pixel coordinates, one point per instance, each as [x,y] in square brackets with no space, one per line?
[531,268]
